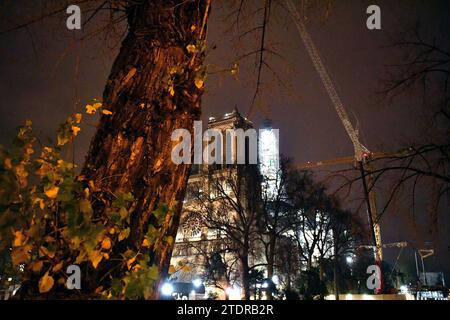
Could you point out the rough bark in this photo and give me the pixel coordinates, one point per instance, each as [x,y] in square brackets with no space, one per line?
[131,150]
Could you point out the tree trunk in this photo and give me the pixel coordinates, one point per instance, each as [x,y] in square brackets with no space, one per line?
[336,280]
[151,91]
[245,294]
[270,262]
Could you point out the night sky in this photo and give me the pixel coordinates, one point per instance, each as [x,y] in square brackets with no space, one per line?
[46,75]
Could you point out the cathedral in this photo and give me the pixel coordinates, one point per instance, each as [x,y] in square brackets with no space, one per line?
[202,246]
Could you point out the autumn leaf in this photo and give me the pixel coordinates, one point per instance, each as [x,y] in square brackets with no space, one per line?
[19,238]
[81,257]
[106,243]
[171,91]
[8,164]
[22,175]
[41,204]
[43,251]
[44,169]
[191,48]
[106,112]
[91,109]
[146,243]
[75,130]
[123,213]
[95,257]
[46,283]
[130,262]
[52,192]
[20,255]
[124,234]
[37,266]
[199,83]
[193,27]
[169,240]
[58,267]
[78,117]
[85,206]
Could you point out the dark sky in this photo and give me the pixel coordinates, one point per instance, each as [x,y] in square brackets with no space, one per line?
[43,72]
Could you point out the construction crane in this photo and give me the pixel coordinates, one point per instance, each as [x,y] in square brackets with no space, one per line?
[362,154]
[351,159]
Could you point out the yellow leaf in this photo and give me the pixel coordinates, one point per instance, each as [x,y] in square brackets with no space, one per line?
[130,262]
[81,257]
[171,91]
[193,27]
[8,164]
[90,109]
[20,255]
[146,243]
[172,269]
[106,243]
[22,174]
[191,48]
[85,206]
[44,169]
[106,256]
[199,83]
[99,290]
[52,192]
[46,283]
[37,266]
[136,268]
[106,112]
[78,117]
[97,105]
[29,151]
[75,130]
[44,251]
[95,257]
[41,204]
[124,234]
[173,70]
[112,231]
[19,238]
[58,267]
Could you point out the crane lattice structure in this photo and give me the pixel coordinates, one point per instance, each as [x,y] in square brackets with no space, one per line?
[362,154]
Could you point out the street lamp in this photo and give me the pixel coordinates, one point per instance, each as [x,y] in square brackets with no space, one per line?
[197,283]
[349,259]
[167,289]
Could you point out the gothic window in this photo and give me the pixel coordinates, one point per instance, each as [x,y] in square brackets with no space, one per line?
[192,226]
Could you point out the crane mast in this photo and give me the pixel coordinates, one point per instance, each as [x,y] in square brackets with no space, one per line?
[361,152]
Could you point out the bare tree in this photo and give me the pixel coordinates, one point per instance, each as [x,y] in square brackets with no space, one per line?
[229,203]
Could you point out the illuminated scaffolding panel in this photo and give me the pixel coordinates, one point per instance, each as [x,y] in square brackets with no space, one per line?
[269,160]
